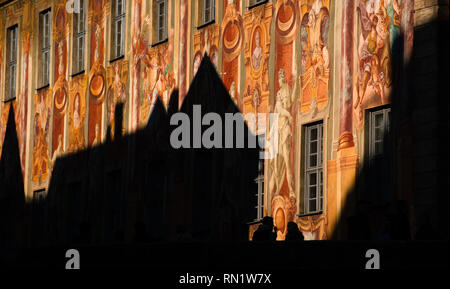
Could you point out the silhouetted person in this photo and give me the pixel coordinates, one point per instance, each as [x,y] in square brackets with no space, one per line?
[293,233]
[265,231]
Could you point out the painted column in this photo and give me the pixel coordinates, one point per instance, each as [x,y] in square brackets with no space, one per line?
[346,95]
[340,199]
[183,50]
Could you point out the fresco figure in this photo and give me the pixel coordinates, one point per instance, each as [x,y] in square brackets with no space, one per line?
[232,93]
[97,135]
[380,27]
[58,152]
[197,61]
[116,94]
[76,120]
[41,140]
[315,59]
[280,164]
[257,52]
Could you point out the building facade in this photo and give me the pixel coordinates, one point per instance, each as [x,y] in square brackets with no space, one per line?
[336,72]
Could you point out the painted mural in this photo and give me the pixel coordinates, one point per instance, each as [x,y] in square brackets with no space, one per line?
[97,74]
[206,41]
[150,67]
[381,22]
[281,186]
[41,147]
[116,93]
[232,41]
[60,87]
[183,68]
[23,95]
[77,113]
[257,23]
[292,35]
[315,56]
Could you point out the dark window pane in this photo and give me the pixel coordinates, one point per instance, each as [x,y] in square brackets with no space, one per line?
[312,205]
[379,120]
[313,147]
[313,134]
[312,192]
[312,179]
[313,160]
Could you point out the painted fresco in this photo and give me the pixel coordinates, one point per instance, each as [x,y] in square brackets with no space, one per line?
[281,186]
[24,94]
[183,30]
[77,113]
[117,92]
[315,56]
[2,122]
[60,88]
[257,23]
[150,68]
[232,42]
[206,41]
[97,74]
[381,22]
[41,141]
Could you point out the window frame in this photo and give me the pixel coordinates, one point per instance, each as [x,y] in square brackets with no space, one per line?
[381,164]
[212,11]
[385,112]
[44,48]
[161,26]
[118,50]
[309,170]
[259,180]
[255,3]
[79,33]
[11,63]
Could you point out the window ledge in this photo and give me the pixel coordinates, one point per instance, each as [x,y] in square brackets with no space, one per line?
[310,214]
[160,42]
[254,222]
[6,100]
[206,24]
[78,73]
[43,87]
[257,4]
[117,58]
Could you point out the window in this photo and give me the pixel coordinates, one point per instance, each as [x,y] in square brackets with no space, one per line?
[313,172]
[118,28]
[11,62]
[39,195]
[44,47]
[254,3]
[79,36]
[379,173]
[161,16]
[379,128]
[259,196]
[208,10]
